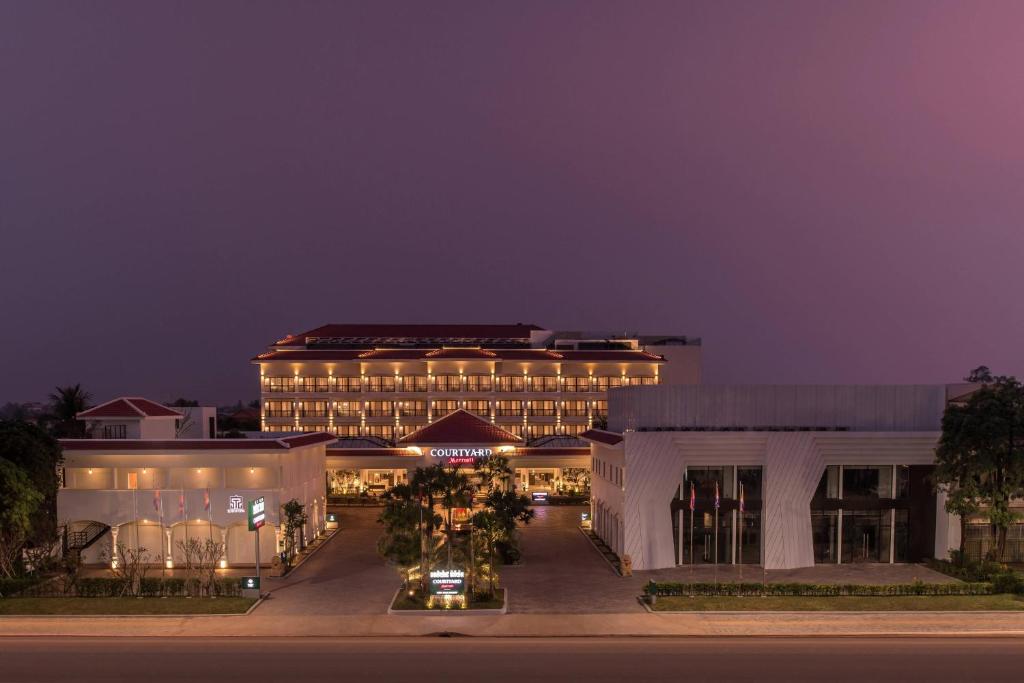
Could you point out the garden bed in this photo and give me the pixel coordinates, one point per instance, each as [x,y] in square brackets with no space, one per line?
[909,603]
[124,606]
[406,604]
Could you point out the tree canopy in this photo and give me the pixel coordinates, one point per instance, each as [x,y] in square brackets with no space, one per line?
[980,457]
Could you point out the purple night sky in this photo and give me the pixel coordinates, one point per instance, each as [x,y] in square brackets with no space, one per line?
[823,191]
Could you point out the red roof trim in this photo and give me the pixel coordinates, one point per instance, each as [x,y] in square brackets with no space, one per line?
[129,406]
[286,443]
[299,355]
[356,331]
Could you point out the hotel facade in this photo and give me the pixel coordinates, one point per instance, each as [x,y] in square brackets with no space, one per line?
[791,476]
[388,381]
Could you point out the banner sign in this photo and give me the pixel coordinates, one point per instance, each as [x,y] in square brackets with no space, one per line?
[447,582]
[236,505]
[257,514]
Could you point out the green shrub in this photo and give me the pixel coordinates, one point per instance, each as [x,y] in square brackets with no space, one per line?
[1007,582]
[817,589]
[151,586]
[173,586]
[13,586]
[100,587]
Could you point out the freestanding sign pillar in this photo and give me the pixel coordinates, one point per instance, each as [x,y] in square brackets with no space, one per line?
[257,518]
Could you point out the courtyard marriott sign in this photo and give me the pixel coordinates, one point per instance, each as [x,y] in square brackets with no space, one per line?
[447,582]
[461,456]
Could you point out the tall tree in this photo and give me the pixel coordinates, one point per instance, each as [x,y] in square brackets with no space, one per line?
[65,404]
[20,502]
[494,471]
[980,456]
[38,455]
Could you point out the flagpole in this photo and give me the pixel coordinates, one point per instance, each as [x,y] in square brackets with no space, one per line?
[163,557]
[692,512]
[742,526]
[716,533]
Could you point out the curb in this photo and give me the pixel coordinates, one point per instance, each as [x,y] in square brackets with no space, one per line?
[603,556]
[184,615]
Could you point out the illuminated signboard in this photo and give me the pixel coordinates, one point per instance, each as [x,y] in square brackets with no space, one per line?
[250,582]
[236,505]
[257,514]
[447,582]
[331,517]
[539,495]
[461,456]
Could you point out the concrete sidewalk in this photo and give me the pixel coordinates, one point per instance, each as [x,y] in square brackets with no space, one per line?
[526,625]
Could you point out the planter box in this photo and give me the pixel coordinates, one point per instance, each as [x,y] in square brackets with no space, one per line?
[471,611]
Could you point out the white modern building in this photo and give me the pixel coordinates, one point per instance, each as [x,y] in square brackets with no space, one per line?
[145,488]
[826,474]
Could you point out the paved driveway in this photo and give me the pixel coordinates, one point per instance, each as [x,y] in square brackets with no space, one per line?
[562,572]
[346,576]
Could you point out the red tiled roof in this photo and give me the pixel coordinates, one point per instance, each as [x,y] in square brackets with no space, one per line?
[529,354]
[517,331]
[299,355]
[462,353]
[337,449]
[629,355]
[129,407]
[601,436]
[565,450]
[285,443]
[460,427]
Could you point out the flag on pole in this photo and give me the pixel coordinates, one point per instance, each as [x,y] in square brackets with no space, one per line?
[693,498]
[206,499]
[742,506]
[156,500]
[717,499]
[181,503]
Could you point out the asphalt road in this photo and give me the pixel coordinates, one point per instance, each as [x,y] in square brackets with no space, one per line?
[425,660]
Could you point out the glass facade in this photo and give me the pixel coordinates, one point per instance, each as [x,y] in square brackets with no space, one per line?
[861,513]
[726,534]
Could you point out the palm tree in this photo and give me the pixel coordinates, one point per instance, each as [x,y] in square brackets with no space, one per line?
[490,530]
[456,489]
[427,484]
[65,404]
[494,470]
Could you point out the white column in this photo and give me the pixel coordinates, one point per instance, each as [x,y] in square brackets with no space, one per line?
[169,562]
[224,542]
[113,547]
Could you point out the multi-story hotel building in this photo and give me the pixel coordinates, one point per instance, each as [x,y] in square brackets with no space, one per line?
[388,381]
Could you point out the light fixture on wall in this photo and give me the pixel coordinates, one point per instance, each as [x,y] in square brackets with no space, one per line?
[252,470]
[90,470]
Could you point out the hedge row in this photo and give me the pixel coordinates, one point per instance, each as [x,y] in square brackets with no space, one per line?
[111,587]
[9,587]
[817,589]
[568,500]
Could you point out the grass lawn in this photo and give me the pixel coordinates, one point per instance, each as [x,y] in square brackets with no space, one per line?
[405,602]
[101,606]
[911,603]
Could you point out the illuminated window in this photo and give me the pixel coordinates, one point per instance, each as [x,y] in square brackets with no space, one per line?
[380,383]
[509,408]
[642,380]
[313,409]
[380,408]
[574,429]
[414,383]
[313,428]
[346,430]
[542,408]
[600,408]
[441,408]
[544,383]
[413,408]
[609,382]
[348,408]
[479,383]
[279,428]
[278,384]
[575,409]
[576,384]
[512,383]
[381,431]
[344,384]
[278,408]
[537,431]
[313,384]
[133,480]
[448,383]
[482,408]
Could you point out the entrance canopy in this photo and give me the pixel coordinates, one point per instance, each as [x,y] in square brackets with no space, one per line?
[460,427]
